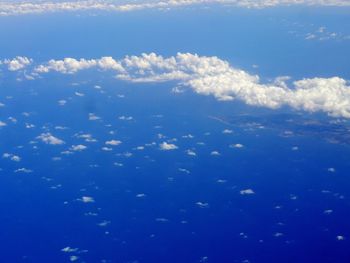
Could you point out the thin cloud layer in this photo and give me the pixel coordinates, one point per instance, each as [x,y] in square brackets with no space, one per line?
[9,8]
[216,77]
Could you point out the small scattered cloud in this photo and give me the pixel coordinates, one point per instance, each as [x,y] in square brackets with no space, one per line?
[237,145]
[202,204]
[227,131]
[113,142]
[191,153]
[125,118]
[93,117]
[11,157]
[78,148]
[331,169]
[69,250]
[167,146]
[48,138]
[247,192]
[23,170]
[340,238]
[87,199]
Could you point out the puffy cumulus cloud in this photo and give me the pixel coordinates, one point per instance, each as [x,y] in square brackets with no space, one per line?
[164,146]
[216,77]
[71,65]
[8,8]
[16,63]
[48,138]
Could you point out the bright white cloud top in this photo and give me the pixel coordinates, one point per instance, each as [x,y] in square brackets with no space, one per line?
[8,8]
[16,63]
[216,77]
[164,146]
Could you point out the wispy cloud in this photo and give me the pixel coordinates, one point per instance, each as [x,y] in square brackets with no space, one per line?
[36,7]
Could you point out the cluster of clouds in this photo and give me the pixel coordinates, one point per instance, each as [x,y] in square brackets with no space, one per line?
[16,63]
[48,138]
[323,34]
[216,77]
[8,8]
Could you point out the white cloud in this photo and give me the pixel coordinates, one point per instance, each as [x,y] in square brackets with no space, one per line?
[87,199]
[38,7]
[202,204]
[87,137]
[213,76]
[237,145]
[6,155]
[15,158]
[340,238]
[72,65]
[191,153]
[23,170]
[227,131]
[73,258]
[62,102]
[118,164]
[12,157]
[93,117]
[167,146]
[48,138]
[183,170]
[16,63]
[69,250]
[107,149]
[113,142]
[247,192]
[216,77]
[79,94]
[78,148]
[125,118]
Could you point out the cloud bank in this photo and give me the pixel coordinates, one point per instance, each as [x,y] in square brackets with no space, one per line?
[9,8]
[216,77]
